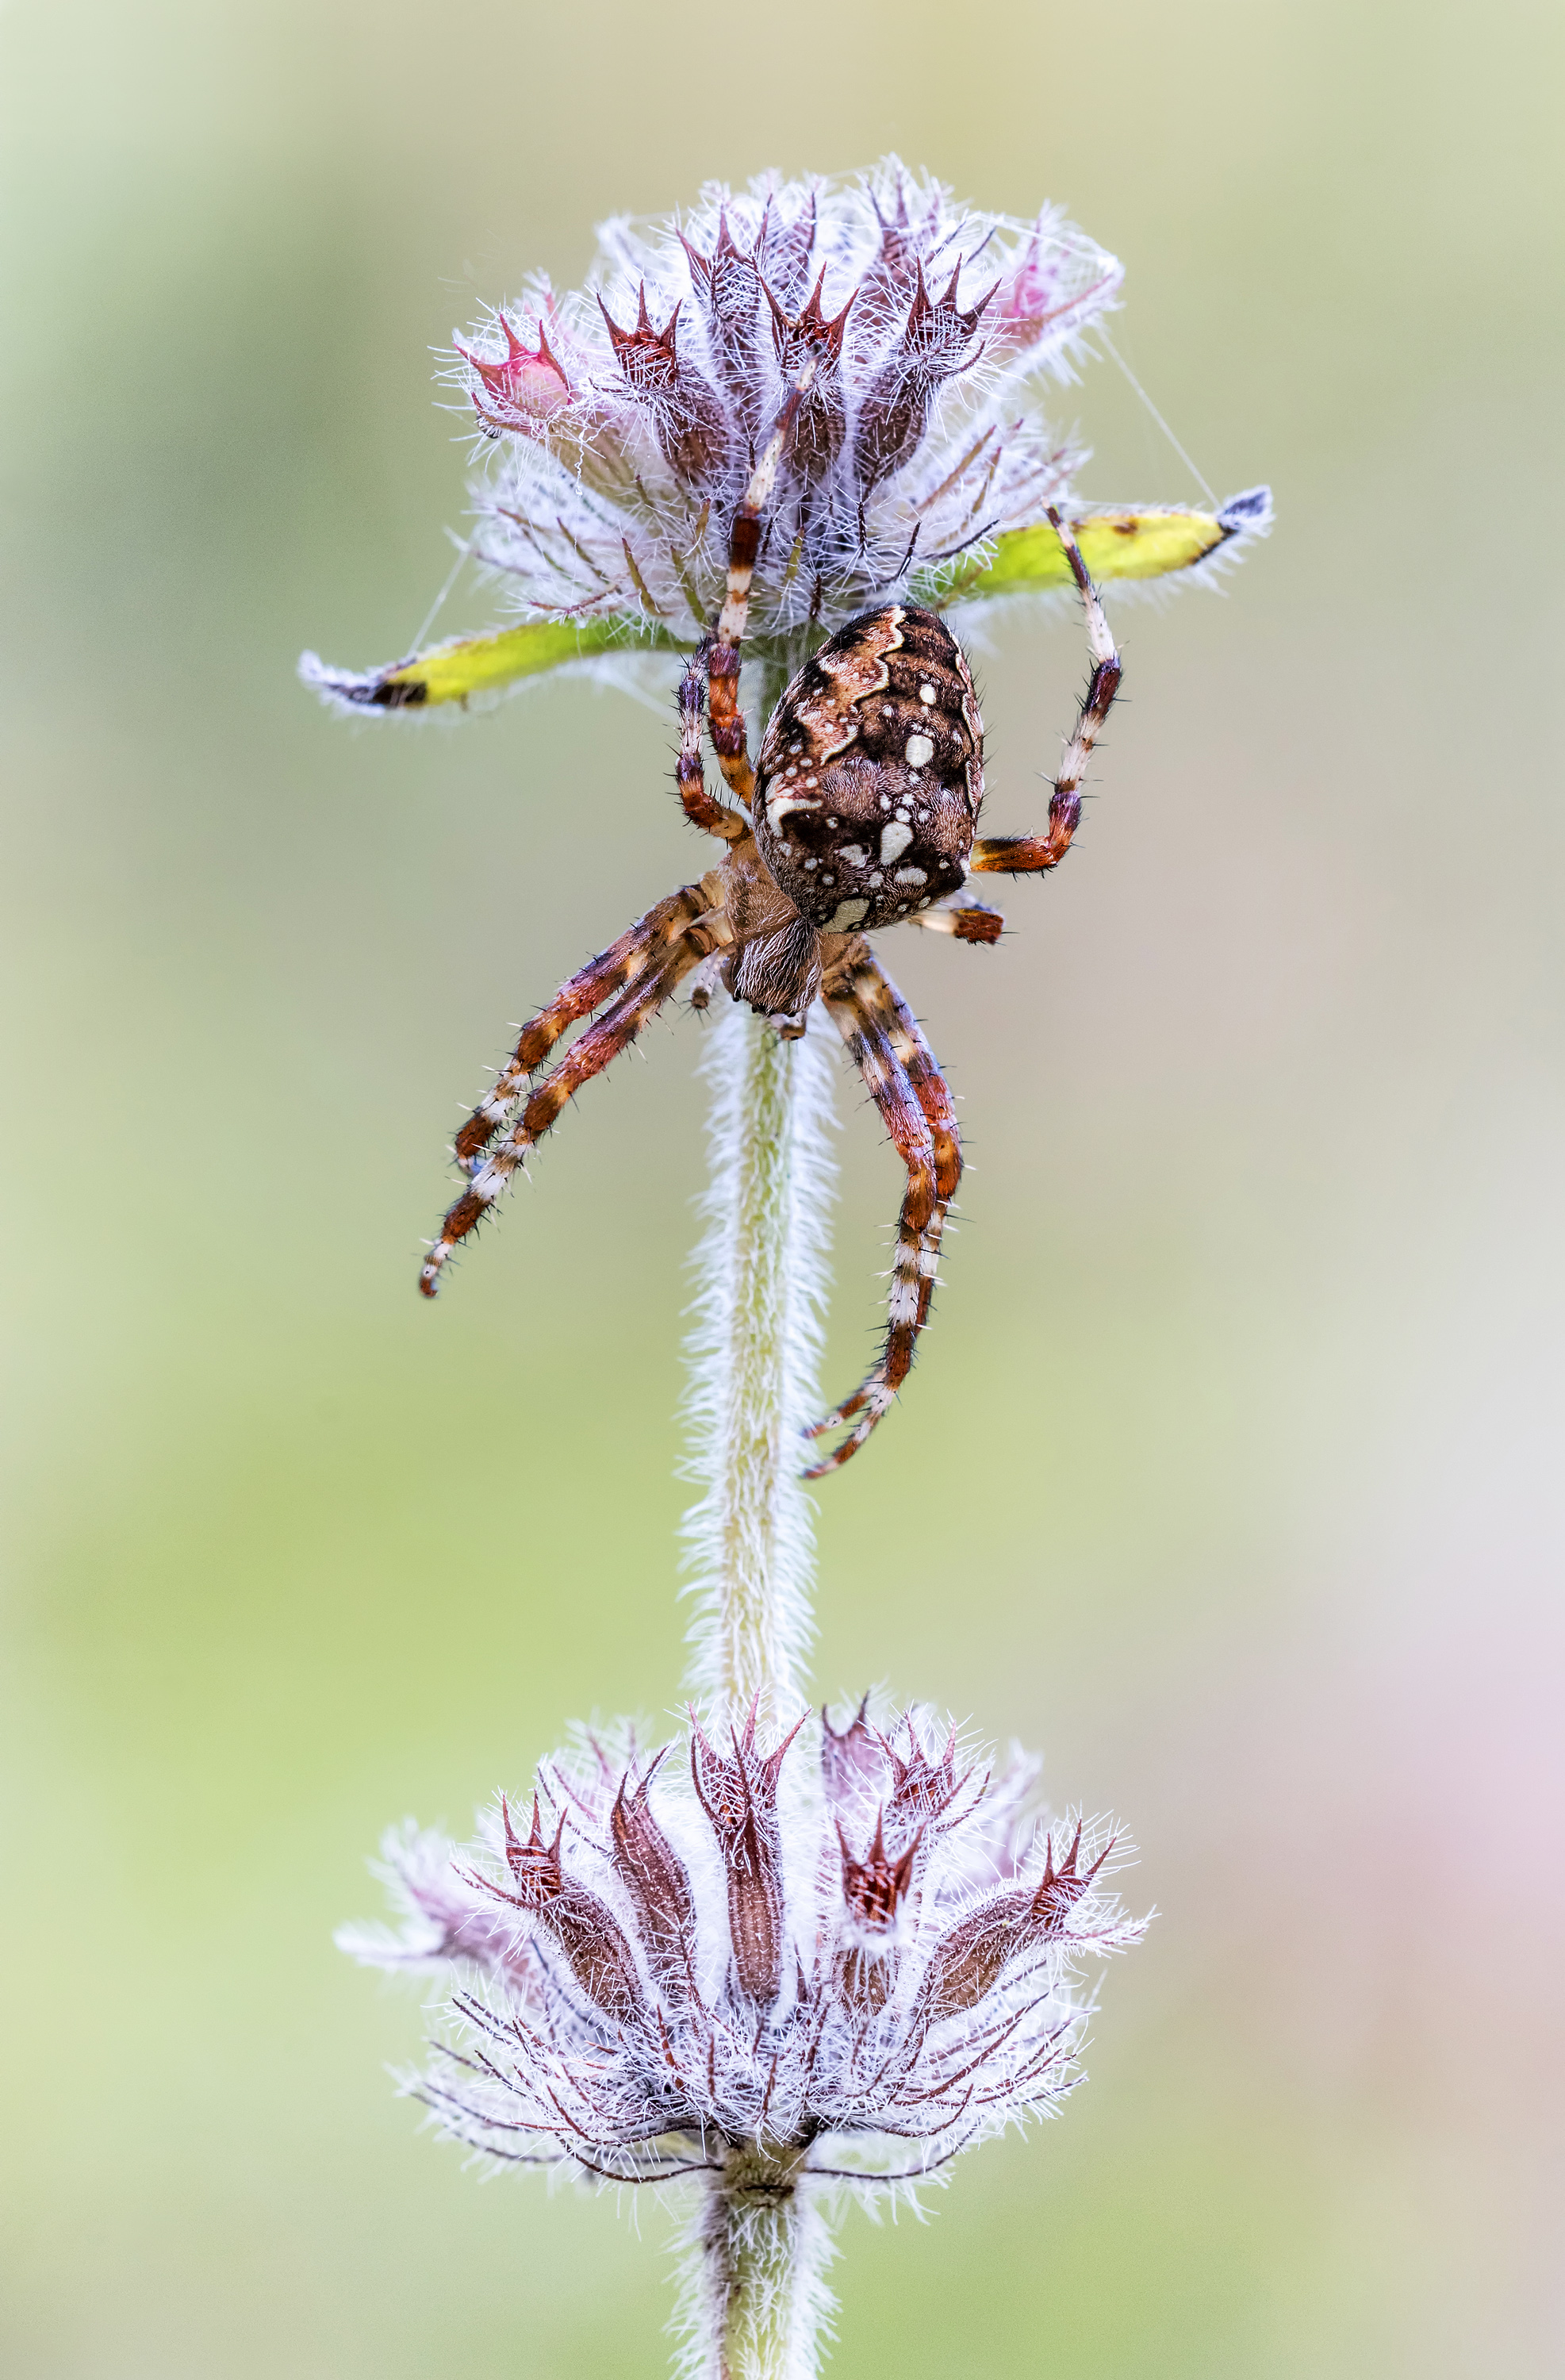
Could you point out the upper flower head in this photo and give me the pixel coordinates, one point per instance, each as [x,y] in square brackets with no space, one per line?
[629,417]
[678,1964]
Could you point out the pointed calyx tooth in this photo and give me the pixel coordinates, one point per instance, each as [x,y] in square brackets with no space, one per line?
[654,1876]
[727,286]
[738,1794]
[923,1790]
[575,1920]
[895,411]
[783,250]
[875,1887]
[526,383]
[853,1764]
[686,412]
[648,357]
[820,423]
[970,1960]
[1047,284]
[1059,1888]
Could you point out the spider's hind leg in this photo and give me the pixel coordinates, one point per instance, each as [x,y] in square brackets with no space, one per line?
[910,1091]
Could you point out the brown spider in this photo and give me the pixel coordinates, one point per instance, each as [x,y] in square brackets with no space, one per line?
[859,814]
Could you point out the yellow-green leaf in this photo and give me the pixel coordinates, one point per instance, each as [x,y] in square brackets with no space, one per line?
[470,665]
[1149,542]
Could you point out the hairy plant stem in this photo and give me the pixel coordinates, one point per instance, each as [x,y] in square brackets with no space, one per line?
[763,2246]
[756,2302]
[761,1270]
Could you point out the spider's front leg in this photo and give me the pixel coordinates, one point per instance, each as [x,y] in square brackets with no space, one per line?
[686,935]
[907,1086]
[723,650]
[702,808]
[969,921]
[643,948]
[1025,854]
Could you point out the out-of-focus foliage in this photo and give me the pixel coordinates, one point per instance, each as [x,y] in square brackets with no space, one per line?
[1233,1448]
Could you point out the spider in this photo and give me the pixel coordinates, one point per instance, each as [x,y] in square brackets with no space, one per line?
[859,813]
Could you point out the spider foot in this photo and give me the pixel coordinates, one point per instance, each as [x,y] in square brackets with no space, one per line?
[874,1400]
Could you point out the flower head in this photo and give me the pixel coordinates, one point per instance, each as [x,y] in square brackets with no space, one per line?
[725,1961]
[621,424]
[627,419]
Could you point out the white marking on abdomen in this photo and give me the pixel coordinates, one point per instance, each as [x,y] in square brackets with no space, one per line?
[779,805]
[895,840]
[919,751]
[846,915]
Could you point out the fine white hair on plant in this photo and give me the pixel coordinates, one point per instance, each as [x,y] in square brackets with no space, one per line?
[770,432]
[754,1350]
[783,1979]
[625,418]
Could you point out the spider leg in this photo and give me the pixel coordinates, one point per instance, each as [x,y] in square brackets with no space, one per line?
[644,945]
[970,921]
[722,655]
[910,1091]
[1025,854]
[700,807]
[614,1030]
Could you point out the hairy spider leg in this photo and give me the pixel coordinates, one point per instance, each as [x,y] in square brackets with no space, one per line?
[614,1030]
[910,1091]
[970,921]
[1024,855]
[722,652]
[642,946]
[702,808]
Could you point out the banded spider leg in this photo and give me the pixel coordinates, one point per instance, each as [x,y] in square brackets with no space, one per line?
[674,944]
[649,963]
[1026,855]
[644,945]
[907,1086]
[723,648]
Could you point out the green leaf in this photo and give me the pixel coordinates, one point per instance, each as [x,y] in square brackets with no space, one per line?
[1148,544]
[470,665]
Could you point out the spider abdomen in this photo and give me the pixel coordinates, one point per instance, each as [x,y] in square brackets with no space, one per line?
[871,773]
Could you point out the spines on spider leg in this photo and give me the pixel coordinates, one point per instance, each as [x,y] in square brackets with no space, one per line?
[755,1351]
[1025,854]
[1102,686]
[641,947]
[723,656]
[968,921]
[864,1016]
[603,1042]
[907,1307]
[713,816]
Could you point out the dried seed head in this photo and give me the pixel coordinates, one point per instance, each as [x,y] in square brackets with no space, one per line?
[851,1973]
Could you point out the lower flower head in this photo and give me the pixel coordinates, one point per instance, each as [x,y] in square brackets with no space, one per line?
[853,1967]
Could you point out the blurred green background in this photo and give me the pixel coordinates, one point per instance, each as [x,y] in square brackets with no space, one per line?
[1248,1498]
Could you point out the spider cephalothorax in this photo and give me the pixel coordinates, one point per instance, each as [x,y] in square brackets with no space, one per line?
[807,443]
